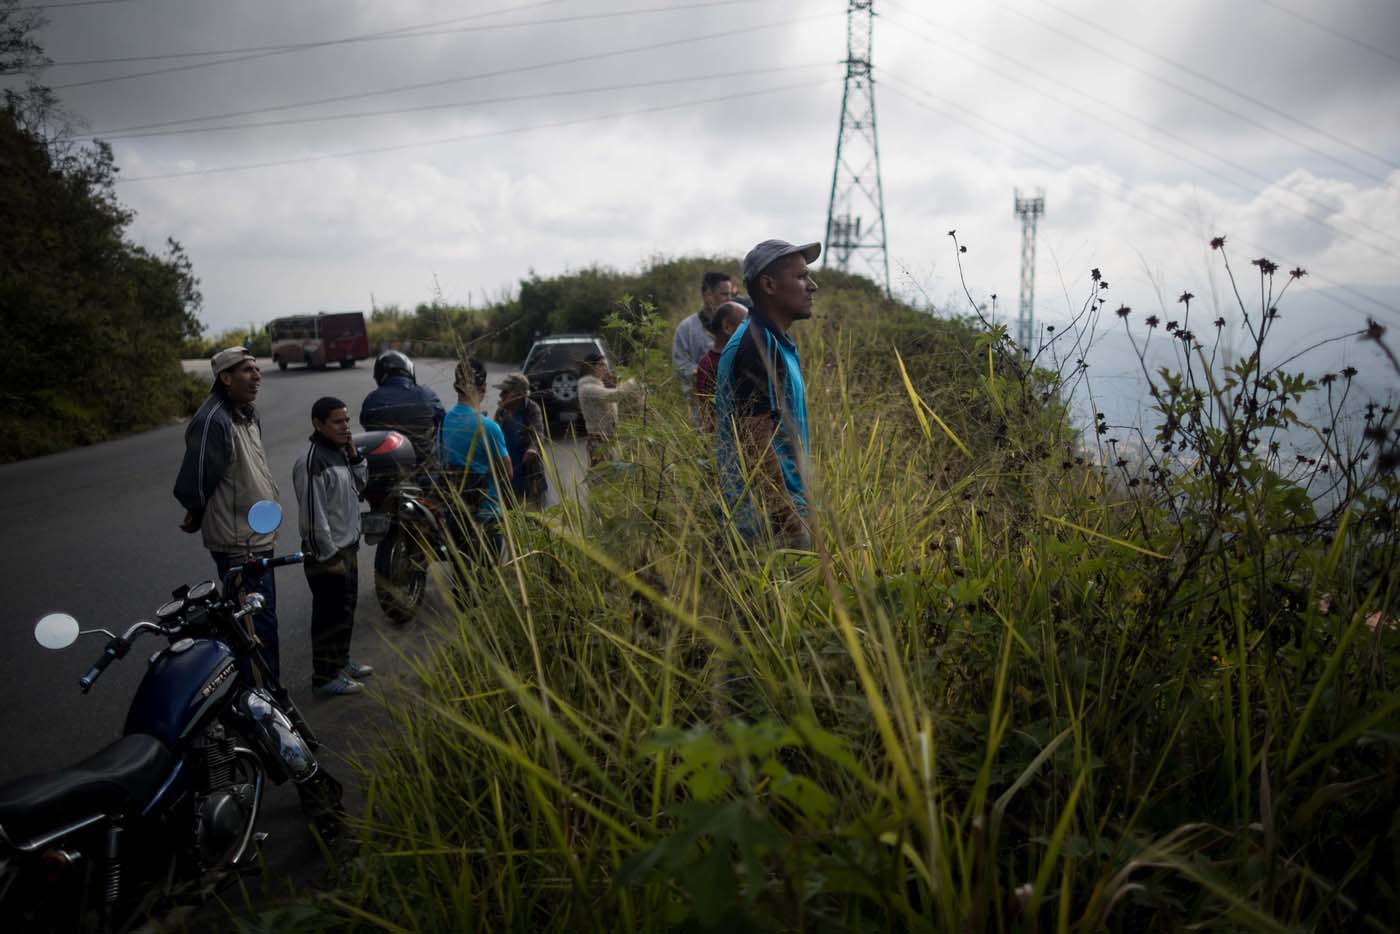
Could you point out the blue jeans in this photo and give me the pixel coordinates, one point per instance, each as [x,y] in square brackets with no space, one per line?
[265,620]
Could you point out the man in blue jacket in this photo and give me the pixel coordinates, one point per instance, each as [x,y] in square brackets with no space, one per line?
[402,405]
[761,440]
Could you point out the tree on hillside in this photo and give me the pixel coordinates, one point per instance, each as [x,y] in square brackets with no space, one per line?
[98,320]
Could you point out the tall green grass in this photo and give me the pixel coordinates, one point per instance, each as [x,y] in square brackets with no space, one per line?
[1007,690]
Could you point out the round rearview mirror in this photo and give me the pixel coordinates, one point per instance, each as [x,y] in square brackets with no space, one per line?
[56,631]
[264,516]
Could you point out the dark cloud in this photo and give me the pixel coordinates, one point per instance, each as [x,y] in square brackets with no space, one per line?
[1029,94]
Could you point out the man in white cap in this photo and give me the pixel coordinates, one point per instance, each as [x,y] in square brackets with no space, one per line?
[223,473]
[761,441]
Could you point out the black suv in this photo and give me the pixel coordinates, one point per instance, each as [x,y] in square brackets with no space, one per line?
[552,366]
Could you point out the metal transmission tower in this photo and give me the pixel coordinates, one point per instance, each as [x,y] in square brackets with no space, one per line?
[855,214]
[1029,211]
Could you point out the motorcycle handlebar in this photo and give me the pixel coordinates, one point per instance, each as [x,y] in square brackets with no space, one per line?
[267,564]
[115,650]
[257,566]
[294,558]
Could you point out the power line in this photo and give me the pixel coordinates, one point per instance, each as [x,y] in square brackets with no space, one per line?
[541,95]
[1039,88]
[345,154]
[1221,85]
[1067,162]
[1235,114]
[1330,31]
[59,6]
[1181,89]
[398,32]
[519,69]
[405,32]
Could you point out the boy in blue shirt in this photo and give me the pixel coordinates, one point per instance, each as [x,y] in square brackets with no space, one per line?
[471,442]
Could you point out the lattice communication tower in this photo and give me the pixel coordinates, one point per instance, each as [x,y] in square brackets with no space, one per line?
[855,213]
[1029,211]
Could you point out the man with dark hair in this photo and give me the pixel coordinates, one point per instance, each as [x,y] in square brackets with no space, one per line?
[223,473]
[692,339]
[761,440]
[474,444]
[723,324]
[598,395]
[328,480]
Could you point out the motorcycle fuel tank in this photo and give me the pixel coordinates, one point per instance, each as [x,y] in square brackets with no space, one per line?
[183,684]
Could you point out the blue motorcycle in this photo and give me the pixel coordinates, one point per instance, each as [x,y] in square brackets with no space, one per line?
[168,812]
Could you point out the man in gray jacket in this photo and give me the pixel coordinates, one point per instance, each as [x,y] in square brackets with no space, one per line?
[693,339]
[224,472]
[328,480]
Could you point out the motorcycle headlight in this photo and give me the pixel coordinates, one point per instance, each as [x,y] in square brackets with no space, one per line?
[281,745]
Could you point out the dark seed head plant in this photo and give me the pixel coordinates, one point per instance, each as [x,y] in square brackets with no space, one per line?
[1027,679]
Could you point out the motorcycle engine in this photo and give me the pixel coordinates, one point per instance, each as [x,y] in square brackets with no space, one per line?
[223,806]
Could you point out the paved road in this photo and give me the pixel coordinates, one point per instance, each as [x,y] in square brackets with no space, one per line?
[94,532]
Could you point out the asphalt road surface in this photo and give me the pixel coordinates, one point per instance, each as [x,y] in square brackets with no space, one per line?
[95,532]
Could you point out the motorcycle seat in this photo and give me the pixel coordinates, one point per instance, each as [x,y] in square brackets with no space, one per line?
[120,778]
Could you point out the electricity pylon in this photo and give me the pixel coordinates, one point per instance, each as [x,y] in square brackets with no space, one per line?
[1029,211]
[855,213]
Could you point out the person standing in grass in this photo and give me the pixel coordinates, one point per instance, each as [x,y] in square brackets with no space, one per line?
[692,340]
[761,441]
[328,480]
[723,324]
[522,423]
[471,442]
[597,401]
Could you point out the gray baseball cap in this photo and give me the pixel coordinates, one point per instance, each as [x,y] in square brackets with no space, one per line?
[769,251]
[514,382]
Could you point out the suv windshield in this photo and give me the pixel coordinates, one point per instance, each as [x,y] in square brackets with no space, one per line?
[560,356]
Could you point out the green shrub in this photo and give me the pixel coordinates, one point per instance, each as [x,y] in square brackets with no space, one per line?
[1010,689]
[100,322]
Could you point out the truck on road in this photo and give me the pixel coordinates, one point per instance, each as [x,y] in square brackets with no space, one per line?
[320,339]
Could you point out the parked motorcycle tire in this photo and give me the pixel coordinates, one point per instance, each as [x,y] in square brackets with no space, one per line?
[400,576]
[321,804]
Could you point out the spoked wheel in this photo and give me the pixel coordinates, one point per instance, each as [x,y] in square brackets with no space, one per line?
[400,576]
[321,803]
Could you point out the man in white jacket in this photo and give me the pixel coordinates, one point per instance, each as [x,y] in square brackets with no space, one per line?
[328,479]
[693,338]
[597,402]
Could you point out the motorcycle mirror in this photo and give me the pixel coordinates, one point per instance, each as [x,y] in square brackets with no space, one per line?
[264,516]
[56,631]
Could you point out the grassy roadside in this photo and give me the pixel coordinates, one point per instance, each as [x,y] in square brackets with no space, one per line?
[53,419]
[1012,688]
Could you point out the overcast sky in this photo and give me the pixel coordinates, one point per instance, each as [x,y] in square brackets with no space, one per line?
[677,127]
